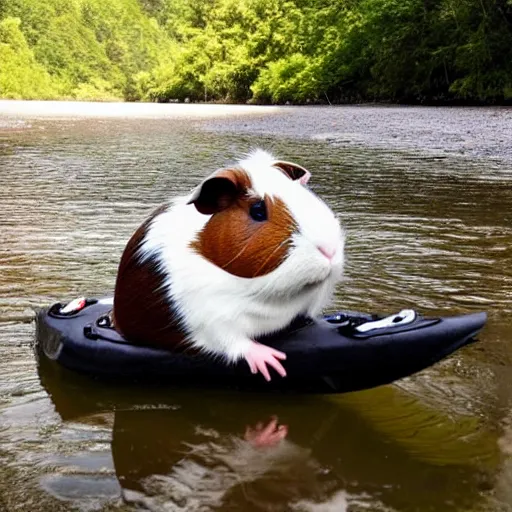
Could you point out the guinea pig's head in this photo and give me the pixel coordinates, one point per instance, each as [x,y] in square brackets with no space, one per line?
[264,221]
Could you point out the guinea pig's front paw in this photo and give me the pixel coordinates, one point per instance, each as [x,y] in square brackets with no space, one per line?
[259,355]
[263,436]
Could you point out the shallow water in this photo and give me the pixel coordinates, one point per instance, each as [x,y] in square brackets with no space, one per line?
[425,196]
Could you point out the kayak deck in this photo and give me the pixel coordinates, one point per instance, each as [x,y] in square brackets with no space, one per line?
[345,351]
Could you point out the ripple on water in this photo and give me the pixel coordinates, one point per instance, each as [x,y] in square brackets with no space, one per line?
[430,231]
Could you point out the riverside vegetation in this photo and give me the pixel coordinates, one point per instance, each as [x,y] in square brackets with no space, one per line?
[261,51]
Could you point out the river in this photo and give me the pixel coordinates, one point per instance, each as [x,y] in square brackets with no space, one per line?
[425,195]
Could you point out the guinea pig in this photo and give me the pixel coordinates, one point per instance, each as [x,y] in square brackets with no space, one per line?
[249,250]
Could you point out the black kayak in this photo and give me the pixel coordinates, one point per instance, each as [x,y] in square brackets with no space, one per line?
[340,352]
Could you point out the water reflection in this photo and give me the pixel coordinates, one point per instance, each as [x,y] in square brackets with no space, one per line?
[176,450]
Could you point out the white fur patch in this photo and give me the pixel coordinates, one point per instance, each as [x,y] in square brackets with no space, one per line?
[224,312]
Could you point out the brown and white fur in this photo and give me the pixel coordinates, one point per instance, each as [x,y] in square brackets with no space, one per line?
[201,273]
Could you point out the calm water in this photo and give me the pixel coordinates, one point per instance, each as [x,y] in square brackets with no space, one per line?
[426,198]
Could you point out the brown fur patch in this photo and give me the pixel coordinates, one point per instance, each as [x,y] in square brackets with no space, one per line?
[142,312]
[238,176]
[232,240]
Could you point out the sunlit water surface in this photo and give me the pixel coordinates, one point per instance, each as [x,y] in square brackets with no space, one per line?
[428,214]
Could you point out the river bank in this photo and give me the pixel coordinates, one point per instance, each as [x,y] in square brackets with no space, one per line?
[438,131]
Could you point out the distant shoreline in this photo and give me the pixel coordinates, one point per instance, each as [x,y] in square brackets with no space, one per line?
[436,131]
[65,108]
[120,109]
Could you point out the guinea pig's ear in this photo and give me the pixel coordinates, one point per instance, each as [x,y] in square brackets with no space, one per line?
[293,171]
[219,191]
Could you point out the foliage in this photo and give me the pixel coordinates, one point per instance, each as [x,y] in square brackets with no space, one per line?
[89,48]
[21,76]
[257,50]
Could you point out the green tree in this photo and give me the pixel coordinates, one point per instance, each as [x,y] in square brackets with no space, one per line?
[258,50]
[21,76]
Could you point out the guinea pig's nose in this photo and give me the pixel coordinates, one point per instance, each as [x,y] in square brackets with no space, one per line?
[328,252]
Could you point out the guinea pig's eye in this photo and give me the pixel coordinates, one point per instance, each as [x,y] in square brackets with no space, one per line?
[258,211]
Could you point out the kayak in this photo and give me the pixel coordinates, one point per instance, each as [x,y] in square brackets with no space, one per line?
[336,353]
